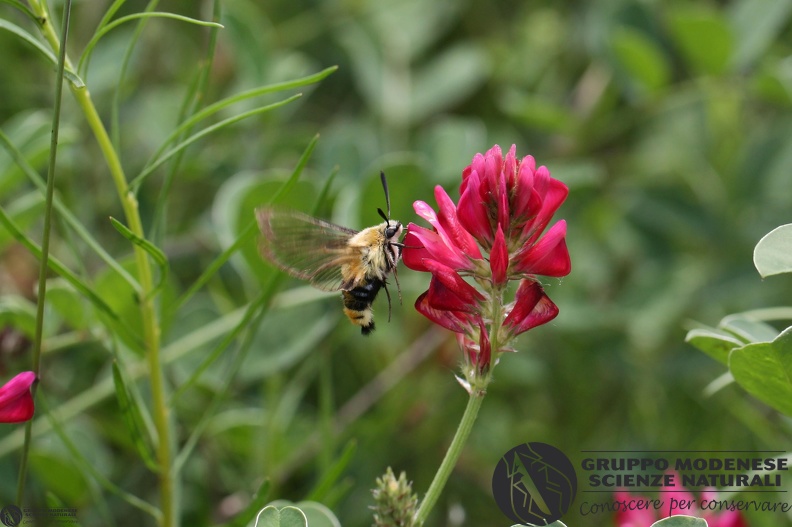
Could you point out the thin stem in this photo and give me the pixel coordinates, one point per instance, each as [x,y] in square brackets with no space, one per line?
[151,330]
[451,457]
[45,243]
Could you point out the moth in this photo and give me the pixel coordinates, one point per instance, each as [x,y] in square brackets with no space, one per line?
[335,258]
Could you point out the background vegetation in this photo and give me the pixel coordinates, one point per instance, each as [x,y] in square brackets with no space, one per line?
[669,121]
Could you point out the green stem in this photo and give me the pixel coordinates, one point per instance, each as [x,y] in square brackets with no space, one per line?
[451,457]
[151,330]
[45,243]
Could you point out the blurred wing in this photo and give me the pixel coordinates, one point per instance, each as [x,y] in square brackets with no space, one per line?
[305,247]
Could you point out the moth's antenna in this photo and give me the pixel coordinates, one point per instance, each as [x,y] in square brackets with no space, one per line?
[387,195]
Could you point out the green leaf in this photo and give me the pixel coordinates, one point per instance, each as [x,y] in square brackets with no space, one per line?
[765,371]
[155,252]
[680,521]
[288,516]
[135,183]
[703,38]
[134,421]
[41,48]
[747,329]
[316,514]
[773,253]
[228,101]
[717,344]
[641,58]
[556,523]
[82,65]
[331,476]
[54,264]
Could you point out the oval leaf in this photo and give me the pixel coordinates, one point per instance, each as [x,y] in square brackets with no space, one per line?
[680,521]
[288,516]
[765,371]
[714,343]
[773,253]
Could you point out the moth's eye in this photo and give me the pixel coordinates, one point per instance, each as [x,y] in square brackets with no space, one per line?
[390,232]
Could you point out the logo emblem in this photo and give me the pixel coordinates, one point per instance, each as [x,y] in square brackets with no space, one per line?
[10,515]
[534,484]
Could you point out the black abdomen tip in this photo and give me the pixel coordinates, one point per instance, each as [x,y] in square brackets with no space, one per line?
[365,330]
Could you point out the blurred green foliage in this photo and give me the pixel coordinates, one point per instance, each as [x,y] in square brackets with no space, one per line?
[669,121]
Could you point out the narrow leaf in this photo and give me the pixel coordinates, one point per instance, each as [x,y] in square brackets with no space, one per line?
[249,94]
[59,268]
[135,183]
[133,419]
[331,476]
[155,252]
[41,48]
[82,65]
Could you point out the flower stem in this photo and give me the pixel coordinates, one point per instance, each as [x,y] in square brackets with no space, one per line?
[451,457]
[45,243]
[151,330]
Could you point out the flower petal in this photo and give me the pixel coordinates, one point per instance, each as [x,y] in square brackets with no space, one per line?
[553,193]
[472,212]
[548,257]
[16,402]
[510,167]
[415,251]
[450,223]
[455,321]
[441,297]
[499,258]
[532,307]
[428,244]
[449,278]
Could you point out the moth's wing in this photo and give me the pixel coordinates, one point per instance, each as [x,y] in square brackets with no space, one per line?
[306,247]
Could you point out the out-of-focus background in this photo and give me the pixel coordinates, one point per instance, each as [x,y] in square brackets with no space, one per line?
[669,121]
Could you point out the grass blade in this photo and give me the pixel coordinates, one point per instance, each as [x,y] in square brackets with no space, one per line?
[155,252]
[135,183]
[249,94]
[102,31]
[134,421]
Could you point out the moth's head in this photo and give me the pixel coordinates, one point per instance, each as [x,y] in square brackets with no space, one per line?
[392,229]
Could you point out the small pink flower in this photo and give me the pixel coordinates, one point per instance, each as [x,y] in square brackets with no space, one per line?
[16,403]
[492,236]
[645,518]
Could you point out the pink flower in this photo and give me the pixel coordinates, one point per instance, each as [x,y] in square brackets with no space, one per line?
[16,403]
[645,518]
[492,236]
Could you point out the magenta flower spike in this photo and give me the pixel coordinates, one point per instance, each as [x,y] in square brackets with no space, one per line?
[493,235]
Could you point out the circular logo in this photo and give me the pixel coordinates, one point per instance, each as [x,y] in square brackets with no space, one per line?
[10,515]
[534,484]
